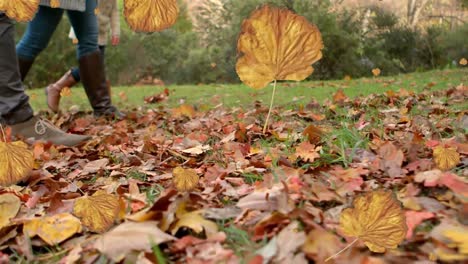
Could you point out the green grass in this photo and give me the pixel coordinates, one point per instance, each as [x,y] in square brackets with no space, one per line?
[239,95]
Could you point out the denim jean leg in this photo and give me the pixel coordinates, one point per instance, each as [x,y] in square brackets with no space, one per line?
[38,33]
[14,103]
[75,72]
[86,29]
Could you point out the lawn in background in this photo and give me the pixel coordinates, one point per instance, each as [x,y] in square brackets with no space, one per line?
[289,94]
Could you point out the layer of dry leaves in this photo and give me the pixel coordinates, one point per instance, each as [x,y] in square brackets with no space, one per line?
[184,179]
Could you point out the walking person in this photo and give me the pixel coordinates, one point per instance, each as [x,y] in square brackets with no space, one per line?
[81,14]
[15,110]
[108,22]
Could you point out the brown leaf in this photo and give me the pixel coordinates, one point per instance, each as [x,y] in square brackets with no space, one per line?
[392,159]
[130,236]
[185,179]
[377,219]
[150,15]
[320,244]
[276,44]
[9,207]
[307,151]
[446,158]
[53,229]
[16,162]
[97,212]
[340,97]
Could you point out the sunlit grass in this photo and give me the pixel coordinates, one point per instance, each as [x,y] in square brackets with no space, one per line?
[238,95]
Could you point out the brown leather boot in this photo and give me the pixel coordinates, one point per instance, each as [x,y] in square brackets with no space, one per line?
[53,90]
[94,81]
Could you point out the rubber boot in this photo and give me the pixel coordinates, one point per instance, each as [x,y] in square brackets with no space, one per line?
[53,90]
[24,67]
[95,85]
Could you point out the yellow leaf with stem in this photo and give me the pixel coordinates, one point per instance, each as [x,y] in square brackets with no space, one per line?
[97,212]
[16,161]
[377,219]
[276,44]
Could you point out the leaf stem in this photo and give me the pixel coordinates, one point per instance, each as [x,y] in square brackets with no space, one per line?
[271,107]
[3,133]
[341,251]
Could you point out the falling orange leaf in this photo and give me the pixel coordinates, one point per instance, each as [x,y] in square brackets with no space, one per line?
[53,229]
[376,72]
[97,212]
[445,157]
[339,97]
[65,92]
[21,11]
[16,161]
[150,15]
[463,61]
[276,44]
[96,11]
[183,110]
[185,179]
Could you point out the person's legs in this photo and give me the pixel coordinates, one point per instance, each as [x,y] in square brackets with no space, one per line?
[37,37]
[14,103]
[15,110]
[91,64]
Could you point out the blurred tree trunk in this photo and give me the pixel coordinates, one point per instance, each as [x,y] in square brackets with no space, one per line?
[414,9]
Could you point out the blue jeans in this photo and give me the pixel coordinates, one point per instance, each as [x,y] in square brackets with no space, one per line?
[41,28]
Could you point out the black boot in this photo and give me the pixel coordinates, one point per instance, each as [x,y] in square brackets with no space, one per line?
[24,67]
[94,81]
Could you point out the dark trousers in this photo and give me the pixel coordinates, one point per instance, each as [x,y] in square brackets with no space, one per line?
[14,103]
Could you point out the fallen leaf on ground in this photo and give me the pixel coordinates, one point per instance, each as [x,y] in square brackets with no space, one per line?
[273,199]
[459,239]
[307,151]
[414,218]
[446,158]
[321,244]
[196,222]
[53,229]
[185,179]
[97,212]
[16,162]
[377,219]
[9,207]
[130,236]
